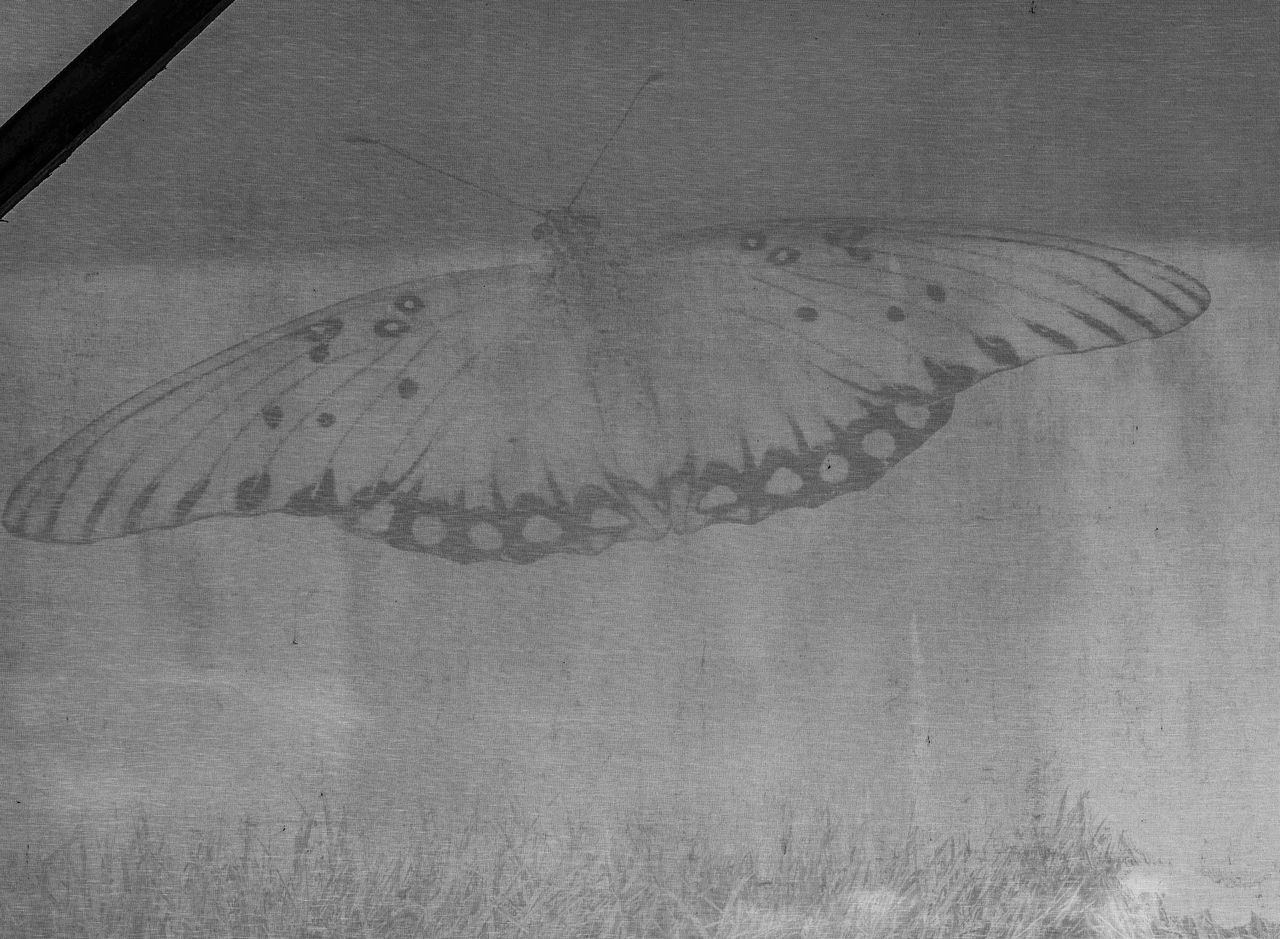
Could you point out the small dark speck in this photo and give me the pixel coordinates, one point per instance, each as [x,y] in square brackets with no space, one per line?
[319,353]
[807,313]
[407,388]
[895,314]
[325,419]
[936,293]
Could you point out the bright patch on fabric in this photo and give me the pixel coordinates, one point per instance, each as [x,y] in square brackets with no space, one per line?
[428,530]
[915,416]
[716,497]
[784,482]
[879,444]
[834,469]
[541,530]
[376,520]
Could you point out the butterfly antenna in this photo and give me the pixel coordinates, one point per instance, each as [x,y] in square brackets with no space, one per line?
[653,77]
[502,197]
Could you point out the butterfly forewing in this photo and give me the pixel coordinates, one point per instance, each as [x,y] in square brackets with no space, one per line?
[949,308]
[514,412]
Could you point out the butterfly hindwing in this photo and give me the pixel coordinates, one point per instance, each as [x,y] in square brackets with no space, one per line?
[510,413]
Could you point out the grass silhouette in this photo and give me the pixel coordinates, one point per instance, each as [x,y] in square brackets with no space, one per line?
[1063,876]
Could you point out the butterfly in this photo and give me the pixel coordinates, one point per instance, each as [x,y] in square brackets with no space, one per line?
[605,393]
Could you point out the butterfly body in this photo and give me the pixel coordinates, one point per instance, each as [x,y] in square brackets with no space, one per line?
[606,393]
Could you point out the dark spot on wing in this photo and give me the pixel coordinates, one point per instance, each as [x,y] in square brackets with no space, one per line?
[407,388]
[319,353]
[409,303]
[95,511]
[895,314]
[252,492]
[139,505]
[1133,315]
[272,415]
[807,313]
[904,394]
[1100,326]
[753,241]
[323,331]
[390,328]
[325,419]
[315,499]
[1057,338]
[936,293]
[999,350]
[188,501]
[783,256]
[367,496]
[950,377]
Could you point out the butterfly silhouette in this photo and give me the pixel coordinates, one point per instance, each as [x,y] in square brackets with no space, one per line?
[608,392]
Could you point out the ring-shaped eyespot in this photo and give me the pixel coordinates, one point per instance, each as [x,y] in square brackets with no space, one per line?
[390,328]
[323,331]
[409,303]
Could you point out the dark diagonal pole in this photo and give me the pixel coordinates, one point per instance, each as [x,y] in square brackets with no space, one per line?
[128,54]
